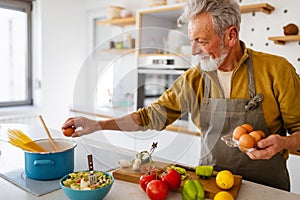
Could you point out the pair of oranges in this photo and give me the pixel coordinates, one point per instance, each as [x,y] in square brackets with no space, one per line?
[247,136]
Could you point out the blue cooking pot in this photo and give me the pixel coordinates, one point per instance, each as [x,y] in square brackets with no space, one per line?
[50,165]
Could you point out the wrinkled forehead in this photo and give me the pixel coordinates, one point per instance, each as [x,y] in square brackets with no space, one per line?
[201,22]
[202,18]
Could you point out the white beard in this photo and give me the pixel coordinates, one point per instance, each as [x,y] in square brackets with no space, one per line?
[207,63]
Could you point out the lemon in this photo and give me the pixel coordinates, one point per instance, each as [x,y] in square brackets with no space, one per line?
[225,179]
[223,195]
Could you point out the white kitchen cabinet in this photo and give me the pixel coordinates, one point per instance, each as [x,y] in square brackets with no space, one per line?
[158,30]
[292,164]
[174,146]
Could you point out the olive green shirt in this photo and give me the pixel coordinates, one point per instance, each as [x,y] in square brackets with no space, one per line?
[275,78]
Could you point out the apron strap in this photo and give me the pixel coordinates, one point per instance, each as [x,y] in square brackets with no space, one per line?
[207,86]
[251,84]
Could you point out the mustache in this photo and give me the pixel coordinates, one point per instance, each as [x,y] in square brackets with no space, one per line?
[204,56]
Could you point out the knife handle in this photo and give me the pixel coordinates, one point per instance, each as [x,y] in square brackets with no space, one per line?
[90,162]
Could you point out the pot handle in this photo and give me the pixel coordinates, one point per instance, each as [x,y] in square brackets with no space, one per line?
[43,162]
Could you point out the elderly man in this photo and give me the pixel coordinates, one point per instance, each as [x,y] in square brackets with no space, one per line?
[232,85]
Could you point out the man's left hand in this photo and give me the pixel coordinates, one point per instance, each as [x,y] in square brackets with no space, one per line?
[268,147]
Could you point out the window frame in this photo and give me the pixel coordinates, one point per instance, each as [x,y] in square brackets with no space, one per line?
[26,7]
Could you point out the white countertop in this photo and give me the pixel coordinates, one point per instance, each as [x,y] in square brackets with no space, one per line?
[126,190]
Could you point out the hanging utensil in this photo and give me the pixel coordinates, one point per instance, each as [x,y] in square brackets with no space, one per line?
[92,176]
[21,140]
[48,133]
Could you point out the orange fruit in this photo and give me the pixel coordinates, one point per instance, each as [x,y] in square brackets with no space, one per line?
[256,135]
[247,141]
[68,131]
[248,127]
[238,132]
[262,134]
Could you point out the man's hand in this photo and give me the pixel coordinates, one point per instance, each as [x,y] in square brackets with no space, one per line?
[87,125]
[268,147]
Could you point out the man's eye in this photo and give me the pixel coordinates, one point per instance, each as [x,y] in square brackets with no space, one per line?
[201,42]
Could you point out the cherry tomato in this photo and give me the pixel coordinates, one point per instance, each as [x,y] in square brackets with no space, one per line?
[145,179]
[68,131]
[157,190]
[78,180]
[172,178]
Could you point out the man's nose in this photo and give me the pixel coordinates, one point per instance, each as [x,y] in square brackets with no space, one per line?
[196,48]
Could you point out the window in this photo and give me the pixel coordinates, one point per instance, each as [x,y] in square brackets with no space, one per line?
[15,53]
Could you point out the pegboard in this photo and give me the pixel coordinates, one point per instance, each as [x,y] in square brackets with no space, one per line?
[257,27]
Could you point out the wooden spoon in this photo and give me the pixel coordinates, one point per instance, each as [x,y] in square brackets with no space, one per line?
[48,133]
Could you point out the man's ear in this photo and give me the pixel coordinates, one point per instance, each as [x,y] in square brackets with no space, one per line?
[232,35]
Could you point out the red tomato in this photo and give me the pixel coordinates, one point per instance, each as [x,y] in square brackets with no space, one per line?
[78,180]
[157,190]
[145,179]
[172,178]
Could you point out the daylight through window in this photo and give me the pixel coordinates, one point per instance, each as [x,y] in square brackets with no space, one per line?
[15,54]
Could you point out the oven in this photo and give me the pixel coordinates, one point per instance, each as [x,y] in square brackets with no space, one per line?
[156,74]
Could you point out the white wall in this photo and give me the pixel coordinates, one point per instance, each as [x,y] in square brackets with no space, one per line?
[255,29]
[63,46]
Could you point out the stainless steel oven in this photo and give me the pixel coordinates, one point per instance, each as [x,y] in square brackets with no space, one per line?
[156,74]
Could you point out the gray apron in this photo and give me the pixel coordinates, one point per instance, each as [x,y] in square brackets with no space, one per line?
[219,117]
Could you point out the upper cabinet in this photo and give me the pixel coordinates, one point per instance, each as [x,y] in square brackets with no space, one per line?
[158,31]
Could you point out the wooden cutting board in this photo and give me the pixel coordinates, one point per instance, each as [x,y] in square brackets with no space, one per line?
[210,186]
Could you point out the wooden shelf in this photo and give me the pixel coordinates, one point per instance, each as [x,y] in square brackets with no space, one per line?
[283,39]
[262,7]
[116,51]
[159,54]
[118,22]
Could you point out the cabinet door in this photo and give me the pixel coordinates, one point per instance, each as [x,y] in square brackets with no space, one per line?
[158,31]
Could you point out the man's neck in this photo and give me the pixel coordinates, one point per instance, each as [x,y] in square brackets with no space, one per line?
[232,59]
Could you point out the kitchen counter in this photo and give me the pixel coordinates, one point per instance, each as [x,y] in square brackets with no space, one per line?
[120,189]
[125,190]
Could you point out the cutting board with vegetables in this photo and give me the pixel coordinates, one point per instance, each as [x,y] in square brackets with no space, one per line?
[128,174]
[209,184]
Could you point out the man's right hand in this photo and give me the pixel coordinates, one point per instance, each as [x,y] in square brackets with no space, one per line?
[82,125]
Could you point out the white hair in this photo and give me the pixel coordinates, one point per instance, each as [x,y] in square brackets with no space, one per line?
[224,13]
